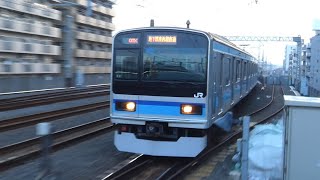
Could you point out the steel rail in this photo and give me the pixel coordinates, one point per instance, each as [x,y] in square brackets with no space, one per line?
[268,104]
[50,94]
[19,122]
[50,100]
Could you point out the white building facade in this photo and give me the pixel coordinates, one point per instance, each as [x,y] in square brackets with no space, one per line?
[313,66]
[290,62]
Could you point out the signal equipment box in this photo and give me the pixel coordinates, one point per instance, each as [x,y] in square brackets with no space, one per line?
[302,138]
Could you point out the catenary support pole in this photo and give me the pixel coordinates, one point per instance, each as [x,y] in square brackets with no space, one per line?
[245,148]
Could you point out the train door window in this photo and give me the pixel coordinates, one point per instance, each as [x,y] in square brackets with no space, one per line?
[234,78]
[226,71]
[126,64]
[220,75]
[230,70]
[245,70]
[220,70]
[241,70]
[238,71]
[249,69]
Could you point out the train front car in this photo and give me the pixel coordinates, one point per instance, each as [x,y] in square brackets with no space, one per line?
[159,90]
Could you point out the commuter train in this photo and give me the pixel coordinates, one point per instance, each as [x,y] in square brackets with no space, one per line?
[173,87]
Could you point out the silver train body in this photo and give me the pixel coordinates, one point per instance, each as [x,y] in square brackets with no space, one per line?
[172,86]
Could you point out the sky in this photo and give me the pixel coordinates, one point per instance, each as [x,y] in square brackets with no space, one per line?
[228,18]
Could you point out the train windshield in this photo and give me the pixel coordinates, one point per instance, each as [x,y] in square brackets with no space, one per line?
[160,63]
[174,64]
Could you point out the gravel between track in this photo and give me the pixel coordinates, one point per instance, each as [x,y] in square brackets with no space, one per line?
[256,99]
[83,161]
[222,169]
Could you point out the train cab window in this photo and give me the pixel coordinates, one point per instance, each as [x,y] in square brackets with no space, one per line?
[126,64]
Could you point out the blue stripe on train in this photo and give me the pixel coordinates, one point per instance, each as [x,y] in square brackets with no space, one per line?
[161,108]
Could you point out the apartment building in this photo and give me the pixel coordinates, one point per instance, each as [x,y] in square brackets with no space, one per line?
[92,39]
[313,65]
[27,40]
[32,40]
[290,62]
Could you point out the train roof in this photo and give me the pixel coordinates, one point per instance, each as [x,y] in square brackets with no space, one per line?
[213,36]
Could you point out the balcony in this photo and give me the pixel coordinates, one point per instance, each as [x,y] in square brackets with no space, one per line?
[94,37]
[95,70]
[308,54]
[93,54]
[29,48]
[98,8]
[25,7]
[94,22]
[29,68]
[29,28]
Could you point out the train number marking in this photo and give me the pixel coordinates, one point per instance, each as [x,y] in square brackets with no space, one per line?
[198,95]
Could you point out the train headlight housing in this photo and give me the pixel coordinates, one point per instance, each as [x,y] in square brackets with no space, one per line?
[126,106]
[190,109]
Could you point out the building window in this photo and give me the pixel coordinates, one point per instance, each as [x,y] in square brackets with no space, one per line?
[80,45]
[27,67]
[8,45]
[8,3]
[47,30]
[8,24]
[27,47]
[27,27]
[27,7]
[46,12]
[7,67]
[46,67]
[46,49]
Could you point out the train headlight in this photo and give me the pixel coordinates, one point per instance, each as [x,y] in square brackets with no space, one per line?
[130,106]
[187,109]
[126,106]
[191,109]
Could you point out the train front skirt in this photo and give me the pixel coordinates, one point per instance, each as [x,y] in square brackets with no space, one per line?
[183,147]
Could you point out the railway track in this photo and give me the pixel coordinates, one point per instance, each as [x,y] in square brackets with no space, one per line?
[142,166]
[44,94]
[19,122]
[24,102]
[18,153]
[228,140]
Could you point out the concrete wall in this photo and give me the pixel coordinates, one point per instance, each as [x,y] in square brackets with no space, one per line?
[34,82]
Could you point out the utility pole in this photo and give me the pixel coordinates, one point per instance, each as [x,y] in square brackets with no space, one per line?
[68,50]
[68,35]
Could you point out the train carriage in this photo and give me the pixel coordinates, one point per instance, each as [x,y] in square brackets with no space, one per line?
[171,87]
